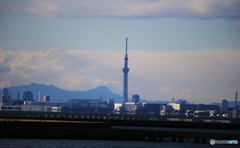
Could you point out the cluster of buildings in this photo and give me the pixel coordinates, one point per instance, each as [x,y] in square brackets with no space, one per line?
[177,109]
[99,106]
[73,105]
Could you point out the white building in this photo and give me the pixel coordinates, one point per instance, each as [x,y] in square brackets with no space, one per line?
[117,107]
[42,106]
[46,98]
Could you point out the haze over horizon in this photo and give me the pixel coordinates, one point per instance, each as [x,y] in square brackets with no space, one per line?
[182,49]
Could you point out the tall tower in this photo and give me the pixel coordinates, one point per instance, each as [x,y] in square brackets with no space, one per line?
[125,78]
[39,96]
[236,100]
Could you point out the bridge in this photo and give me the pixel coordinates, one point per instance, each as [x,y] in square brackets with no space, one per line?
[49,125]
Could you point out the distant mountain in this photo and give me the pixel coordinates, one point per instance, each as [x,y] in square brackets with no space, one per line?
[180,100]
[163,102]
[149,101]
[58,94]
[230,104]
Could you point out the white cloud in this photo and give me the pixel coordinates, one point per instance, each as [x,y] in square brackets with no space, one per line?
[187,90]
[53,66]
[126,8]
[163,89]
[198,76]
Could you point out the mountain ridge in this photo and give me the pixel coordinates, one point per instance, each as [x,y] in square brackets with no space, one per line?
[58,94]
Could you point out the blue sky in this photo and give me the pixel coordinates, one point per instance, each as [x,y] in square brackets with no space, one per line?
[183,49]
[37,33]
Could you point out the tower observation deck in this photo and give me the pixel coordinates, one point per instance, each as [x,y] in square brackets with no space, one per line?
[125,78]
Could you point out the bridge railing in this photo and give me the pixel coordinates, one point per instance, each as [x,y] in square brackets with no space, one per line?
[98,116]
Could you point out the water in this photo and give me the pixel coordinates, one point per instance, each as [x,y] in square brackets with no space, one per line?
[62,143]
[176,129]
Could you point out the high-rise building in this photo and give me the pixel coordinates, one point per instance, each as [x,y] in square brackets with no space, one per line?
[3,98]
[135,98]
[224,104]
[125,78]
[110,100]
[27,96]
[110,103]
[47,98]
[5,92]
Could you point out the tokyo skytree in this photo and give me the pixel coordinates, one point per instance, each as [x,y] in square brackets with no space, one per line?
[125,78]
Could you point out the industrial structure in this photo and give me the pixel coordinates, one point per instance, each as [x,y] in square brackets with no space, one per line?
[39,96]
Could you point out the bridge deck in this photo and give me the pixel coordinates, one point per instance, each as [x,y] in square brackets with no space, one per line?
[112,130]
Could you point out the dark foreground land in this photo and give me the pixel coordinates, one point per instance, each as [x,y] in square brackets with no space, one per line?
[116,129]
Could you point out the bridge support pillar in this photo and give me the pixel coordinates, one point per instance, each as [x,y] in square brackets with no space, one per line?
[160,139]
[154,138]
[180,139]
[174,139]
[197,141]
[203,140]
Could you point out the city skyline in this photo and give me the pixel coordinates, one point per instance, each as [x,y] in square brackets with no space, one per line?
[186,50]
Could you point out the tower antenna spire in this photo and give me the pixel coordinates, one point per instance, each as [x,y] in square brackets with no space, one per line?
[126,44]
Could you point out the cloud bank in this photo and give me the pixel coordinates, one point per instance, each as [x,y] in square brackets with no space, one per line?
[203,9]
[199,76]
